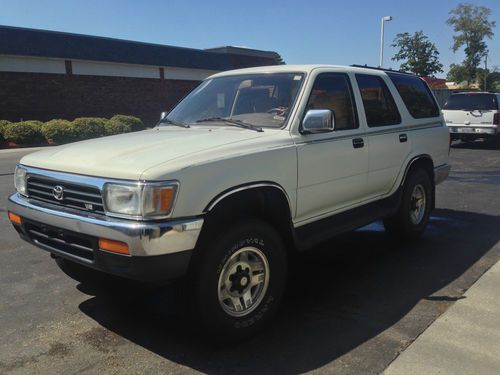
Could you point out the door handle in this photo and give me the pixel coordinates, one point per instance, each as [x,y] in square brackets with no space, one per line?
[358,142]
[403,138]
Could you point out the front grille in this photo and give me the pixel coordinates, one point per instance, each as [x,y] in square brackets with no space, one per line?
[63,240]
[74,195]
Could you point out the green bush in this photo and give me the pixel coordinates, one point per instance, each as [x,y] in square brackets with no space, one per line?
[63,131]
[3,125]
[24,133]
[59,131]
[89,127]
[35,123]
[113,128]
[135,123]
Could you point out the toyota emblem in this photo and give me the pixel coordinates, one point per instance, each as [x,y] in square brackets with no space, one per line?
[58,192]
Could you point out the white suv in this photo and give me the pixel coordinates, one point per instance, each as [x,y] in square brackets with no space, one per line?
[473,115]
[252,166]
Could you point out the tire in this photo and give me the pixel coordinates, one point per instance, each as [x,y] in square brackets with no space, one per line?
[413,213]
[495,140]
[226,269]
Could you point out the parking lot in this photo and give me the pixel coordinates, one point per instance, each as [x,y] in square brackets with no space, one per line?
[352,306]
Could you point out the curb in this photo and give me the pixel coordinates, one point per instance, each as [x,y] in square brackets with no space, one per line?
[21,149]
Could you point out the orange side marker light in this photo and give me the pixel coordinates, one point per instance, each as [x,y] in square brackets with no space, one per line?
[15,219]
[113,246]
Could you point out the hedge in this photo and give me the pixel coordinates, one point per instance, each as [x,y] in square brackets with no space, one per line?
[113,128]
[3,125]
[135,123]
[34,123]
[89,127]
[24,133]
[60,131]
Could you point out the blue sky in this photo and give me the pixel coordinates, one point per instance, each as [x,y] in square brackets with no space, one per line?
[335,32]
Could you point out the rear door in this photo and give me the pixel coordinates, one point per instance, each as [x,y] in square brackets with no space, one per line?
[389,144]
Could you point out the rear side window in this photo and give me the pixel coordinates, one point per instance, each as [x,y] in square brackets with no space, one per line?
[471,102]
[333,91]
[380,108]
[416,95]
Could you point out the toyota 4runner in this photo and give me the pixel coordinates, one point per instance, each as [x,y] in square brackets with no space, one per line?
[250,167]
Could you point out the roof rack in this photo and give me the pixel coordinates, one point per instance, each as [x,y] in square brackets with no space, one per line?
[382,69]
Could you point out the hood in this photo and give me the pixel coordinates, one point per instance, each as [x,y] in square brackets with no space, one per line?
[127,156]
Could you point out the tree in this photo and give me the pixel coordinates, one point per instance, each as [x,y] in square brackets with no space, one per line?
[471,25]
[492,79]
[457,73]
[419,54]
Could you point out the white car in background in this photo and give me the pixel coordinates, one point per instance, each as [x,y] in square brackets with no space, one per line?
[473,115]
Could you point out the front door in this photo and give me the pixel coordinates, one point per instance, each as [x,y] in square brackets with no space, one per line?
[332,167]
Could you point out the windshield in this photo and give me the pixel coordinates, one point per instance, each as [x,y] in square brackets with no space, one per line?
[262,100]
[471,102]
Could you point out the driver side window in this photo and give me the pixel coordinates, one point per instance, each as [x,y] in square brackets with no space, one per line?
[255,100]
[333,91]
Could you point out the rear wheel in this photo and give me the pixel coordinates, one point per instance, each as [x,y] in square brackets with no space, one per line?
[413,213]
[238,281]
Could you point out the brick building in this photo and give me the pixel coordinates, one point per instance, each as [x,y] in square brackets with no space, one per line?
[47,74]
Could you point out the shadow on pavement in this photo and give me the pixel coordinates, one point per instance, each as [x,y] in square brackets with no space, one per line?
[345,295]
[478,145]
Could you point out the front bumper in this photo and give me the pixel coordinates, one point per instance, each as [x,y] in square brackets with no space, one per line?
[158,250]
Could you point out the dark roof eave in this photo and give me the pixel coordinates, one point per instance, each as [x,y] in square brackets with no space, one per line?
[41,43]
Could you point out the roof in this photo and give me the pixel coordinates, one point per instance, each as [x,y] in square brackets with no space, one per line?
[53,44]
[300,69]
[244,51]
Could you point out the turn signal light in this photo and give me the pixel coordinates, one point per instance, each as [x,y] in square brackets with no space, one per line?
[113,246]
[15,219]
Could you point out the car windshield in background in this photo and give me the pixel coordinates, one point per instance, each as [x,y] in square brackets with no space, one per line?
[262,100]
[471,102]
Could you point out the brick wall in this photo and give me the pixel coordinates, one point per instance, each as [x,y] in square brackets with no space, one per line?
[40,96]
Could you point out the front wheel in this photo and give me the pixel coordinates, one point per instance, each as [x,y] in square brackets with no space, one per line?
[413,213]
[238,281]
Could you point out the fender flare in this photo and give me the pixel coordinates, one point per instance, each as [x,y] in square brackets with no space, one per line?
[248,186]
[411,162]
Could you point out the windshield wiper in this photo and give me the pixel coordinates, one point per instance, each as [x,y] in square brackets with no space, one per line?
[238,123]
[173,122]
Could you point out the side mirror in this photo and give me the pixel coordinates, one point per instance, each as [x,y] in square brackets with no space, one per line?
[163,115]
[318,121]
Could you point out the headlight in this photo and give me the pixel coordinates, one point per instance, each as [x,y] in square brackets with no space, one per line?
[123,199]
[147,201]
[20,180]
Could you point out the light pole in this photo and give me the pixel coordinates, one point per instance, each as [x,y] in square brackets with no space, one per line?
[485,70]
[384,19]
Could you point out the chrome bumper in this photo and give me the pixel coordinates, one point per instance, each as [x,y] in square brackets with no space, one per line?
[470,130]
[441,173]
[143,238]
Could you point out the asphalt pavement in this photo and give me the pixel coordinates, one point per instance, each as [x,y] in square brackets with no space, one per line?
[353,305]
